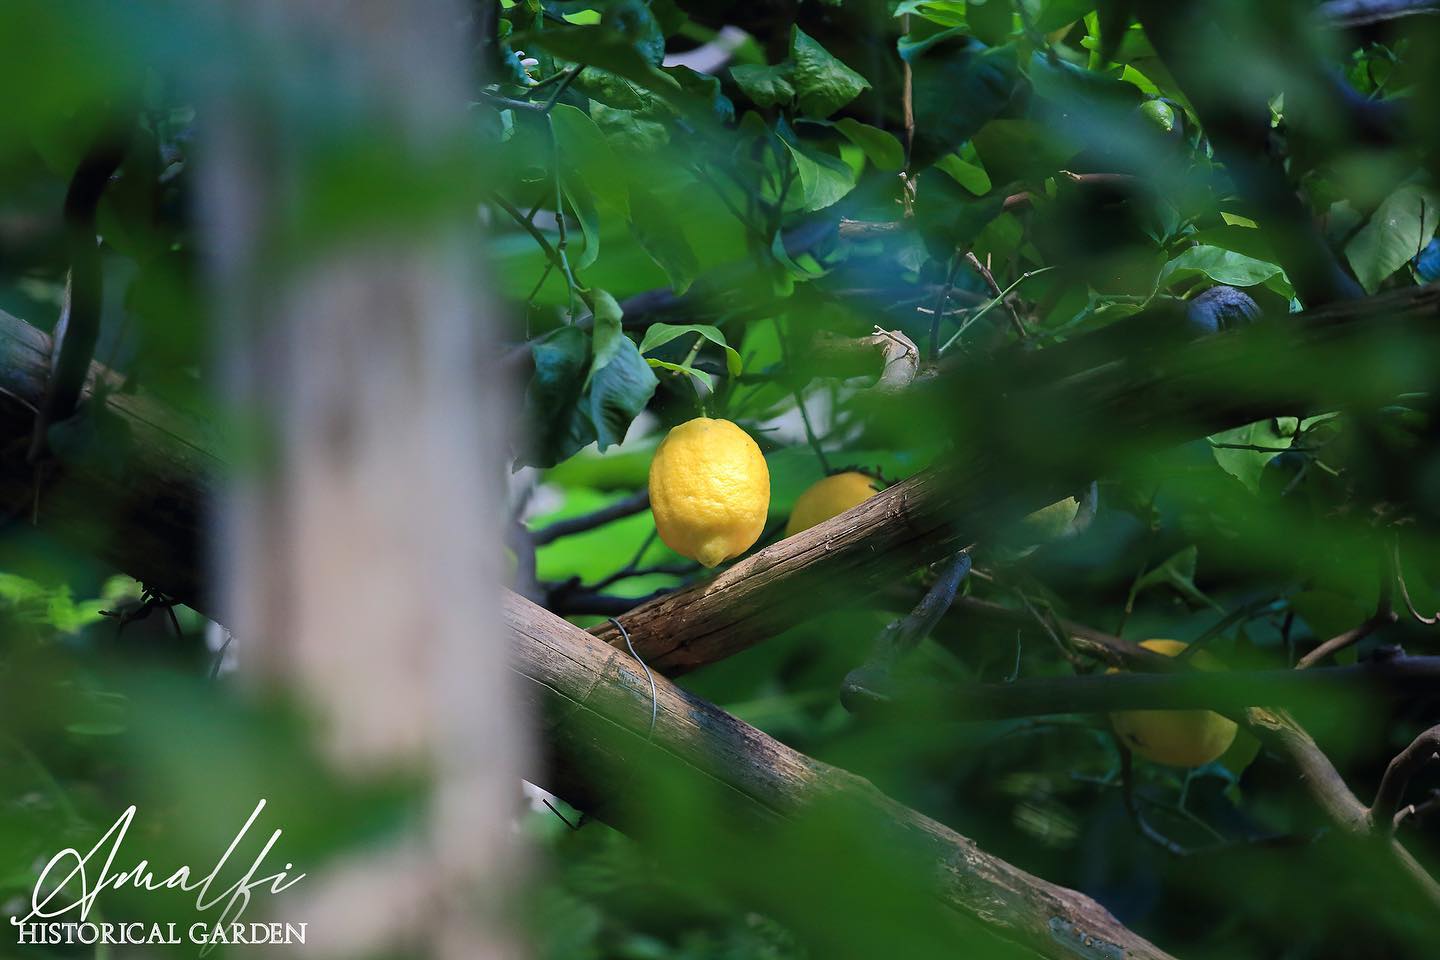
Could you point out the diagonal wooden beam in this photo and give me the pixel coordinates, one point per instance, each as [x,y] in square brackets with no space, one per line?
[598,706]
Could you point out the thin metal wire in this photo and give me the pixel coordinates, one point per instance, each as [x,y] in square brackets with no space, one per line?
[654,693]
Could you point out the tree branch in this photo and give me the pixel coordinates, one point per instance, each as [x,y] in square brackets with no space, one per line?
[624,507]
[898,357]
[1119,382]
[606,759]
[1424,749]
[1384,616]
[1361,13]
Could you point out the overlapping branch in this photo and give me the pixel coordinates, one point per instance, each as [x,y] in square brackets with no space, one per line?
[154,492]
[1119,382]
[598,710]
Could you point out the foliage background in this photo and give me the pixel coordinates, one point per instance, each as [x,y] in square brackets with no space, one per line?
[682,251]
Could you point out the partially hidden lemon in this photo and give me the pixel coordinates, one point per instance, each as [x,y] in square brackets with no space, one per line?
[828,498]
[1179,738]
[709,490]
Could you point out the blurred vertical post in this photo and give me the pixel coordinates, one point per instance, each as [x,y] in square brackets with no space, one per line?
[359,541]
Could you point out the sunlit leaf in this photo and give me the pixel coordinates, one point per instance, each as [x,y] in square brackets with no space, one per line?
[822,83]
[1395,233]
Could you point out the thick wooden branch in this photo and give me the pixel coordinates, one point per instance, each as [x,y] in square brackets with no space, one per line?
[138,500]
[597,707]
[596,702]
[1076,404]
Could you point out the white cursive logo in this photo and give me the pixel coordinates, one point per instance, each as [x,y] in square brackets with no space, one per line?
[85,883]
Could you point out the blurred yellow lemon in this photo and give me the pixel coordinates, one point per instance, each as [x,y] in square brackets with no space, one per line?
[829,498]
[709,490]
[1179,738]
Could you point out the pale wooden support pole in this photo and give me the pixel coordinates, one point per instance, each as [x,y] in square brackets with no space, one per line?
[358,551]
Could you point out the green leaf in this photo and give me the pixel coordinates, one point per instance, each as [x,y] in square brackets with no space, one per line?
[990,20]
[971,176]
[1220,265]
[587,155]
[1055,14]
[700,375]
[946,13]
[1396,232]
[822,83]
[620,382]
[1022,150]
[1247,465]
[1178,572]
[1083,95]
[559,425]
[824,179]
[960,85]
[629,131]
[659,334]
[633,20]
[622,93]
[765,86]
[602,47]
[704,99]
[883,149]
[1244,240]
[950,218]
[654,225]
[582,204]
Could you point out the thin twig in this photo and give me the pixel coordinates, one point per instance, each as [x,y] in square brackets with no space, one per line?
[563,242]
[940,303]
[999,294]
[1405,590]
[1383,616]
[810,436]
[1424,749]
[528,226]
[624,507]
[902,635]
[565,82]
[990,304]
[1127,789]
[1152,527]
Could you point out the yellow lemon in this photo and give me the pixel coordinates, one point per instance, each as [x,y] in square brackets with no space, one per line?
[709,490]
[1179,738]
[829,498]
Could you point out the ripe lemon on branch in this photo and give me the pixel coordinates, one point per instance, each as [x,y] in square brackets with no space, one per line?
[709,490]
[828,498]
[1179,738]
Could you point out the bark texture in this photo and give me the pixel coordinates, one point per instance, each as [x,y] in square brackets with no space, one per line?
[598,706]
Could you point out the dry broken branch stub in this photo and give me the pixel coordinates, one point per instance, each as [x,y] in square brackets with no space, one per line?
[892,352]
